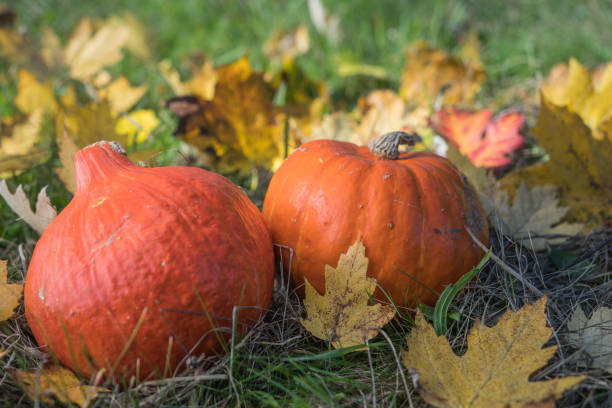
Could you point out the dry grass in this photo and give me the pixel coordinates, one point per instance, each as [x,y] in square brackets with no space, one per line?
[280,364]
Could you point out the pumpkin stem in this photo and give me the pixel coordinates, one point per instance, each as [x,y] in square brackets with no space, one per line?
[387,145]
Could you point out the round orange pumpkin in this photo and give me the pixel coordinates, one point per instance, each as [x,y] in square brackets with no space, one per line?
[142,255]
[411,210]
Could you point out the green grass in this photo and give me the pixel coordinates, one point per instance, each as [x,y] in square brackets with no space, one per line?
[281,364]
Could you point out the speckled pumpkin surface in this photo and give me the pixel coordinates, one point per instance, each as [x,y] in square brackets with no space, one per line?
[410,211]
[141,255]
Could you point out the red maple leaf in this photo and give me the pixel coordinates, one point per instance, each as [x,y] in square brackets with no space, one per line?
[486,142]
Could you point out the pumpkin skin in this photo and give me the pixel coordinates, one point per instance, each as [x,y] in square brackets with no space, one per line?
[410,211]
[149,252]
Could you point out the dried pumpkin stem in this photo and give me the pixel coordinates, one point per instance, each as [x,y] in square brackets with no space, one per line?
[387,145]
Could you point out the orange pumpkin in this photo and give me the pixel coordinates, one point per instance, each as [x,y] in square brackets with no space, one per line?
[410,209]
[142,255]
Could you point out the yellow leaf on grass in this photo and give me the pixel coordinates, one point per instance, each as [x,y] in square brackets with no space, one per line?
[56,383]
[201,84]
[137,125]
[429,71]
[495,369]
[343,315]
[121,95]
[10,293]
[589,95]
[87,52]
[579,164]
[34,96]
[91,123]
[24,136]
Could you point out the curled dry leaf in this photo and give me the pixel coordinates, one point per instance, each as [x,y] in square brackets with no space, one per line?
[430,71]
[579,164]
[10,293]
[594,335]
[343,315]
[495,369]
[486,142]
[56,383]
[20,204]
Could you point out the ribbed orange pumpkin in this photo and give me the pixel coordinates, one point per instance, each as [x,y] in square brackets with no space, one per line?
[410,209]
[142,255]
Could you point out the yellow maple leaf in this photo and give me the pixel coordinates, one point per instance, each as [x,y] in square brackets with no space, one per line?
[137,125]
[34,96]
[589,95]
[10,293]
[121,95]
[495,369]
[56,383]
[343,315]
[429,71]
[240,124]
[23,137]
[579,164]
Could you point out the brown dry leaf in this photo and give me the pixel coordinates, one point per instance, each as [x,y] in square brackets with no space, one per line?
[67,151]
[343,315]
[579,164]
[594,335]
[534,218]
[495,369]
[20,204]
[240,124]
[121,95]
[282,47]
[87,52]
[19,49]
[589,95]
[10,293]
[429,71]
[56,383]
[34,96]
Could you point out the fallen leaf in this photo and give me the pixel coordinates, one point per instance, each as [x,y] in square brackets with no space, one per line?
[240,124]
[19,203]
[137,42]
[10,293]
[579,164]
[589,95]
[343,315]
[481,178]
[486,142]
[34,96]
[287,46]
[335,126]
[19,49]
[67,152]
[91,123]
[429,71]
[202,83]
[87,52]
[121,95]
[594,335]
[495,369]
[24,136]
[533,219]
[56,383]
[51,50]
[137,125]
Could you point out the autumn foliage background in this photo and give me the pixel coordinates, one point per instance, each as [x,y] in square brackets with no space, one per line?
[517,95]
